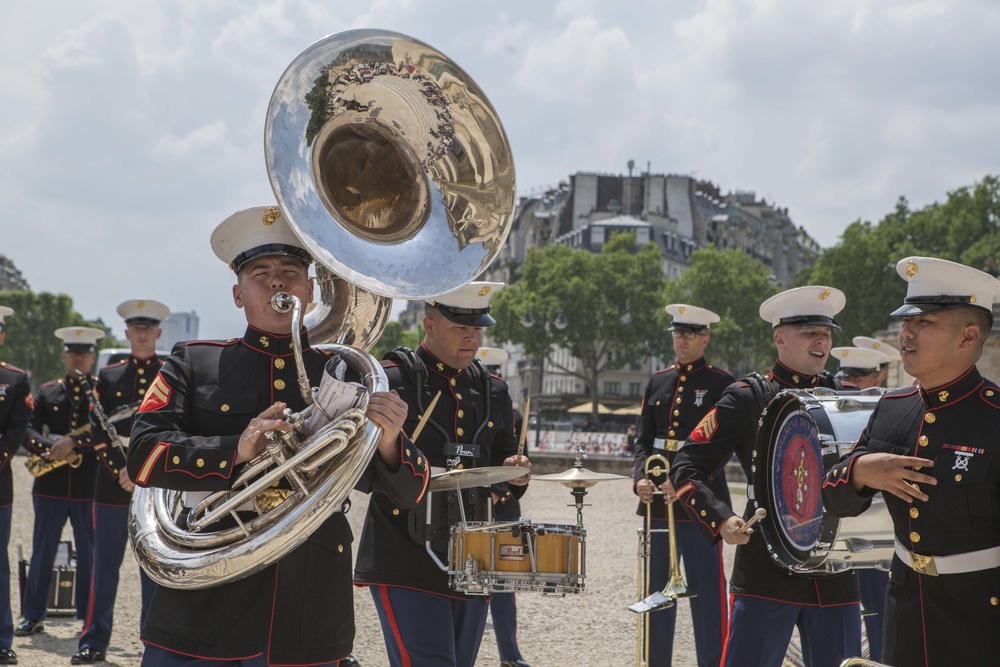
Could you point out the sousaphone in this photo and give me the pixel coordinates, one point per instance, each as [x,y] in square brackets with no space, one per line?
[394,171]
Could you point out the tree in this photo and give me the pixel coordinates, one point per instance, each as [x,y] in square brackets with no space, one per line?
[609,301]
[733,285]
[964,229]
[395,335]
[31,344]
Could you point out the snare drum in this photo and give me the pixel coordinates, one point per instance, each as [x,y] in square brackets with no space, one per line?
[488,558]
[801,434]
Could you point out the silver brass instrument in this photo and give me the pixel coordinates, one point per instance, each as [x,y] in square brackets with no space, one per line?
[322,466]
[385,158]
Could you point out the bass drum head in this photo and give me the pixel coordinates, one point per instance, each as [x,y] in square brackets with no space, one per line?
[788,480]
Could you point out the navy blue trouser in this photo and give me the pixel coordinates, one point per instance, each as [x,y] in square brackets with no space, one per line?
[703,573]
[6,619]
[760,629]
[156,656]
[110,525]
[50,517]
[503,608]
[427,630]
[873,584]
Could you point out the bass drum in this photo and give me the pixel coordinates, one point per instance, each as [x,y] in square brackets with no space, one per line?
[801,434]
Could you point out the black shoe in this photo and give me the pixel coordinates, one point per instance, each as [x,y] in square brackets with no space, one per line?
[7,656]
[28,627]
[514,663]
[86,656]
[349,661]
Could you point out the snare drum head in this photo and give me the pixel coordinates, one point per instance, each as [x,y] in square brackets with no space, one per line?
[788,486]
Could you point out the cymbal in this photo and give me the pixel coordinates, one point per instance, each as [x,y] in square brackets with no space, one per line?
[578,477]
[465,478]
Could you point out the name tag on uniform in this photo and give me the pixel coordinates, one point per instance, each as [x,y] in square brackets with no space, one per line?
[462,449]
[659,443]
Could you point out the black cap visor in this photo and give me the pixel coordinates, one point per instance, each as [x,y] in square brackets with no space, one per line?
[808,321]
[922,305]
[470,317]
[269,250]
[79,348]
[142,321]
[692,328]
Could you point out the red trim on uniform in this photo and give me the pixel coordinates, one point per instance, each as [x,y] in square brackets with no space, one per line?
[723,616]
[800,604]
[729,622]
[390,617]
[147,466]
[29,400]
[202,657]
[923,620]
[687,488]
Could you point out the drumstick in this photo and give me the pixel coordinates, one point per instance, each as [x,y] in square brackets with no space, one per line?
[757,516]
[424,418]
[524,427]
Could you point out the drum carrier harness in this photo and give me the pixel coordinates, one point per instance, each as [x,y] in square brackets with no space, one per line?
[476,500]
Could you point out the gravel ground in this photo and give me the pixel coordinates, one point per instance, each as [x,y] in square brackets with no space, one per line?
[593,628]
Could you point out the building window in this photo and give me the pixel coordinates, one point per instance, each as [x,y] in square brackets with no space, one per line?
[612,388]
[634,388]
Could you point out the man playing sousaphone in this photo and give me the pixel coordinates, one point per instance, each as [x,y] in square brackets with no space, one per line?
[205,416]
[675,401]
[768,602]
[425,622]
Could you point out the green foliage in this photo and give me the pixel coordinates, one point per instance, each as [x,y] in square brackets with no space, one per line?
[732,284]
[31,344]
[609,300]
[393,336]
[965,229]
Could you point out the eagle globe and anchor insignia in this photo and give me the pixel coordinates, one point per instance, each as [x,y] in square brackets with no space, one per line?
[797,476]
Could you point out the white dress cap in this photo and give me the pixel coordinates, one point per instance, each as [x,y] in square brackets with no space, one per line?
[492,356]
[891,353]
[5,312]
[79,337]
[255,232]
[864,359]
[814,305]
[143,311]
[690,318]
[937,284]
[468,304]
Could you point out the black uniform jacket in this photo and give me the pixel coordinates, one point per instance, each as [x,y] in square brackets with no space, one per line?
[60,407]
[730,427]
[16,403]
[675,401]
[119,385]
[480,420]
[954,615]
[185,437]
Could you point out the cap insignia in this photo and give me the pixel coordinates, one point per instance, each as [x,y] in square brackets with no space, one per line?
[911,269]
[876,345]
[825,294]
[140,304]
[264,341]
[943,396]
[270,216]
[484,291]
[972,299]
[79,332]
[844,353]
[681,310]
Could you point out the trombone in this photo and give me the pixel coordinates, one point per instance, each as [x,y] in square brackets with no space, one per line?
[656,470]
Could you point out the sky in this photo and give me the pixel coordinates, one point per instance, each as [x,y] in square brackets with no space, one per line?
[133,127]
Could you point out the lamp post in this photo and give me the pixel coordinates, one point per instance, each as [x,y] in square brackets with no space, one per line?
[528,322]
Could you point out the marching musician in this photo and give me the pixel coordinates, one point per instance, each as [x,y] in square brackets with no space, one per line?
[675,401]
[15,413]
[931,449]
[205,415]
[118,385]
[767,602]
[865,368]
[506,507]
[424,622]
[62,406]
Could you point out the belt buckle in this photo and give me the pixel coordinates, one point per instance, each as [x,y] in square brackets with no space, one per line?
[672,445]
[923,564]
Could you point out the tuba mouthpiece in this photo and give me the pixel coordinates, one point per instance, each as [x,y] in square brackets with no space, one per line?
[282,302]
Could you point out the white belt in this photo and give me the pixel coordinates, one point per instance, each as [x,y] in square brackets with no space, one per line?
[972,561]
